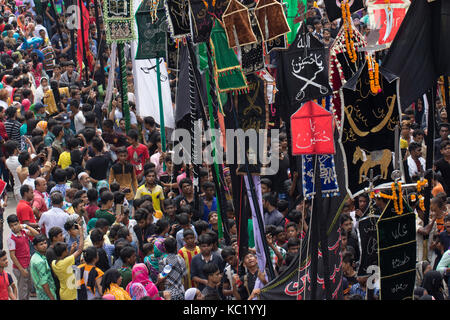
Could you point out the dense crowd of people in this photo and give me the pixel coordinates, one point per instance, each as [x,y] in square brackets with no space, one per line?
[103,213]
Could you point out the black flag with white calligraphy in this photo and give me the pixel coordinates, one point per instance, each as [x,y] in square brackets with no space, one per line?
[367,232]
[397,253]
[305,70]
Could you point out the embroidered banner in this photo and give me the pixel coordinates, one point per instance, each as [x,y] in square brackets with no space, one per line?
[367,135]
[340,67]
[305,70]
[279,43]
[397,253]
[253,54]
[252,111]
[119,20]
[177,12]
[151,34]
[327,175]
[201,20]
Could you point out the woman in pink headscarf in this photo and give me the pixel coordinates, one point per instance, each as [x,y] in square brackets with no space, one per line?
[140,277]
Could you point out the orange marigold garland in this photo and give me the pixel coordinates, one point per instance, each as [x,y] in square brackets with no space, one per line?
[374,75]
[420,185]
[396,199]
[349,43]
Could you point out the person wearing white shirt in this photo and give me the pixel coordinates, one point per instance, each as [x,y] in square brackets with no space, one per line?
[77,115]
[56,216]
[12,163]
[415,161]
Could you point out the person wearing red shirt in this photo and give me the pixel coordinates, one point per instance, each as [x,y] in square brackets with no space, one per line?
[40,199]
[137,154]
[3,133]
[24,211]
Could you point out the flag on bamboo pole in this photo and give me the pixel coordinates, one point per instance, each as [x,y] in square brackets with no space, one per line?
[80,45]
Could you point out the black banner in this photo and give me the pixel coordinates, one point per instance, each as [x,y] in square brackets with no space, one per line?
[252,111]
[171,53]
[178,17]
[151,34]
[253,54]
[295,282]
[367,231]
[333,8]
[201,20]
[279,43]
[368,130]
[397,253]
[305,70]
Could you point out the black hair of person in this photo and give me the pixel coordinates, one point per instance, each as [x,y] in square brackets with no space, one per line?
[111,276]
[170,244]
[205,239]
[90,254]
[141,214]
[101,223]
[126,253]
[271,198]
[133,134]
[96,235]
[105,197]
[92,195]
[161,225]
[23,157]
[188,232]
[118,197]
[209,269]
[183,219]
[201,226]
[69,225]
[123,233]
[227,252]
[12,219]
[59,248]
[39,238]
[293,242]
[54,232]
[24,189]
[60,176]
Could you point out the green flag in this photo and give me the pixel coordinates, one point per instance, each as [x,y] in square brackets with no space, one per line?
[296,12]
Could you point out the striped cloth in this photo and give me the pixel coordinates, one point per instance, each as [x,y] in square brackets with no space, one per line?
[187,255]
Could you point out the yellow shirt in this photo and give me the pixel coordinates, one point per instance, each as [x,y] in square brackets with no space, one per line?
[118,292]
[64,160]
[49,99]
[156,193]
[64,271]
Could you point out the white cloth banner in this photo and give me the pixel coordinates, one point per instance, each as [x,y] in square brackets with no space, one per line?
[146,86]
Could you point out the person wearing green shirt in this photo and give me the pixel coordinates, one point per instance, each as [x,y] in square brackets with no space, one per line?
[128,256]
[40,270]
[106,203]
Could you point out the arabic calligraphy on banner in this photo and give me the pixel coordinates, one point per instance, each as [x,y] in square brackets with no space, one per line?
[312,130]
[368,130]
[305,70]
[397,253]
